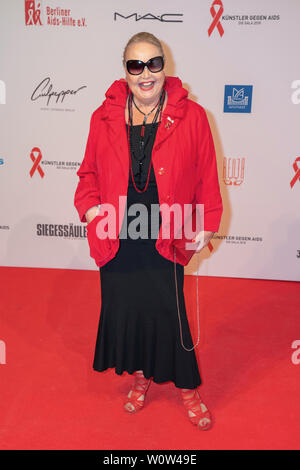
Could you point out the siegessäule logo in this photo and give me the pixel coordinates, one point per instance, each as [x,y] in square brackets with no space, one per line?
[238,98]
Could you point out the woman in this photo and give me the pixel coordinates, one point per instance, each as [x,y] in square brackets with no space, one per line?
[152,145]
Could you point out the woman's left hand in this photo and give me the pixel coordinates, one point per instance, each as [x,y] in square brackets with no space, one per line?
[203,239]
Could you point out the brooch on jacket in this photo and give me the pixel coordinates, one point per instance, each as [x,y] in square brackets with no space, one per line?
[169,122]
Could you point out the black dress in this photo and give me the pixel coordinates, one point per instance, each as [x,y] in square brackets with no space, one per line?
[139,325]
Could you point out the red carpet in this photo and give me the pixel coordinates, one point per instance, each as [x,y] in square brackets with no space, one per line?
[51,398]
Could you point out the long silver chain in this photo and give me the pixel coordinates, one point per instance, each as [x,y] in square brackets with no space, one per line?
[198,318]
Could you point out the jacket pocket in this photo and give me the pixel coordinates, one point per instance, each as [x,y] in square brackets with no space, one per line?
[99,247]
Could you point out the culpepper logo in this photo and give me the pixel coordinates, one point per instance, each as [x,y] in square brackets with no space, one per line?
[36,157]
[33,13]
[45,90]
[296,169]
[216,15]
[233,171]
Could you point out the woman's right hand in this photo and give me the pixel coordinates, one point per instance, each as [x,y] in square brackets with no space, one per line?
[91,213]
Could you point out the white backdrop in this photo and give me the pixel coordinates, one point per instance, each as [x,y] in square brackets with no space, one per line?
[54,75]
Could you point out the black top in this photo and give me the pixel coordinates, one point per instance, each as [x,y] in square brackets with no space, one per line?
[140,161]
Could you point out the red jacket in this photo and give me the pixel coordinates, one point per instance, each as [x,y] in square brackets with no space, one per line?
[183,159]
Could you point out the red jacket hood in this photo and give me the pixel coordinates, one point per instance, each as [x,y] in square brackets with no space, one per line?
[116,95]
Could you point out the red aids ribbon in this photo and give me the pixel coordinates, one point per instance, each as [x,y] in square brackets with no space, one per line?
[38,16]
[216,18]
[30,16]
[36,161]
[297,171]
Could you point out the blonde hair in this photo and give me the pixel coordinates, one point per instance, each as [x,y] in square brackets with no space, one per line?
[143,37]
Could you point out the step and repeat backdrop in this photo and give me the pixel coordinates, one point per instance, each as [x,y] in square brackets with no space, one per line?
[238,59]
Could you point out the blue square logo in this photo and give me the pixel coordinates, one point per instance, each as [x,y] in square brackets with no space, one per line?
[238,98]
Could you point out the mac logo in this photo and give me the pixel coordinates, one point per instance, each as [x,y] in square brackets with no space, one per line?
[164,18]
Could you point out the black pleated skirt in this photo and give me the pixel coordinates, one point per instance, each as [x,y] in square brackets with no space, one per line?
[139,325]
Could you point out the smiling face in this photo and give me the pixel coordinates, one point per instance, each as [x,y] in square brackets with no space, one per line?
[147,86]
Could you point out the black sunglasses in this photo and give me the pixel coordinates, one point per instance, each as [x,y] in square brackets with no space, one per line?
[136,67]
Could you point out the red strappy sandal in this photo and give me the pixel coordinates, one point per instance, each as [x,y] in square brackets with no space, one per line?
[196,409]
[135,398]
